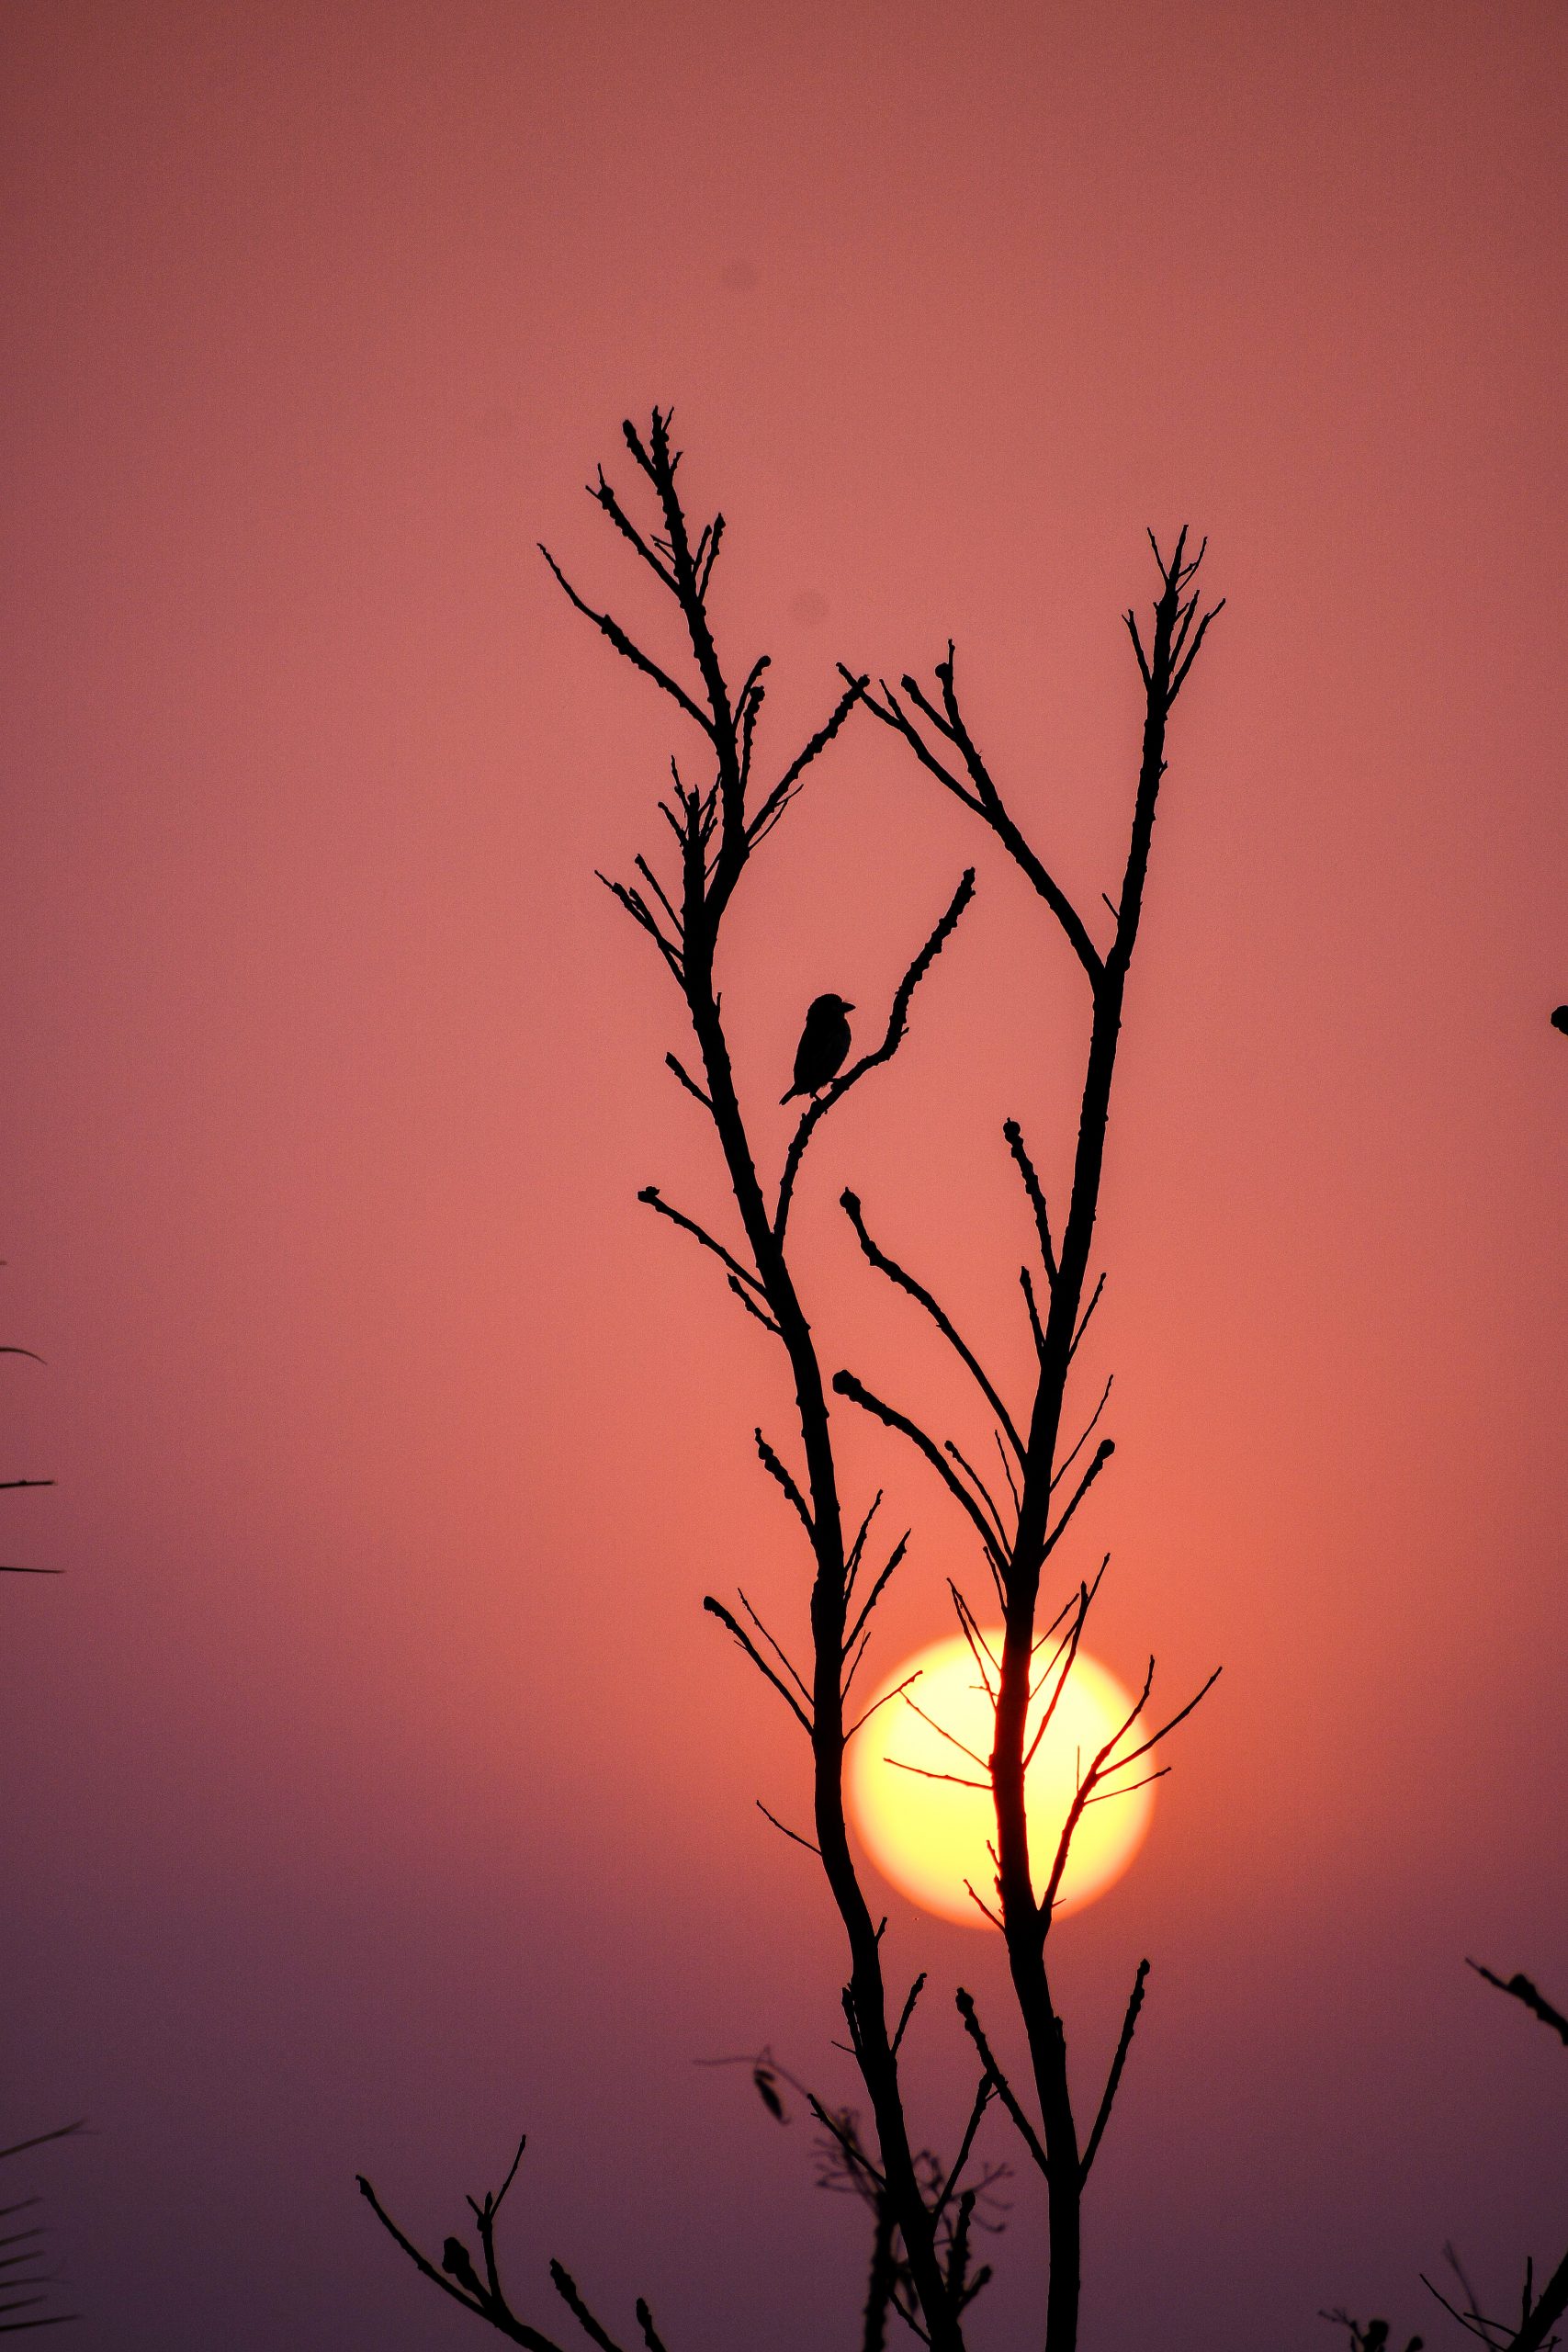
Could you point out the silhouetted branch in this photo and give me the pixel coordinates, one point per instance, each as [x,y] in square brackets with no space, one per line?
[650,2334]
[1070,1645]
[689,1082]
[1007,832]
[1520,1989]
[1069,1459]
[655,1200]
[1165,1728]
[42,2139]
[908,2011]
[785,791]
[856,1551]
[457,2278]
[1373,2337]
[636,906]
[880,2285]
[846,1385]
[876,1593]
[981,795]
[927,2282]
[471,2295]
[1035,1326]
[657,886]
[717,1609]
[1100,1769]
[605,497]
[1535,2333]
[983,2097]
[890,712]
[952,1738]
[484,2211]
[877,1704]
[630,652]
[1102,1454]
[783,1827]
[848,1202]
[1084,1320]
[776,1647]
[1007,1473]
[923,1773]
[981,1490]
[1491,2332]
[1109,1796]
[1129,2026]
[749,1303]
[964,2003]
[781,1477]
[565,2286]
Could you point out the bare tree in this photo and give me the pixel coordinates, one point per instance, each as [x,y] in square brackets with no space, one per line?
[719,824]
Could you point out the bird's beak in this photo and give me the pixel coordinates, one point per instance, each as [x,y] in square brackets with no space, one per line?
[845,1003]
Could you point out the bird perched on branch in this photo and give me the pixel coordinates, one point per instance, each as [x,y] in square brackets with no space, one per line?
[824,1042]
[457,2264]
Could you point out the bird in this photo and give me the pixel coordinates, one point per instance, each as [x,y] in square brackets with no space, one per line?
[457,2262]
[824,1042]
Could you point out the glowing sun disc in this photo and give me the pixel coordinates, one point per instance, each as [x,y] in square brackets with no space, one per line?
[928,1836]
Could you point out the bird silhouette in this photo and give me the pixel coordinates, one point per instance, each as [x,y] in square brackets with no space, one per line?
[1560,1019]
[457,2264]
[824,1042]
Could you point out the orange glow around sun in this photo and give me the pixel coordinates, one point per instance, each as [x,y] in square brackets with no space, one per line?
[928,1836]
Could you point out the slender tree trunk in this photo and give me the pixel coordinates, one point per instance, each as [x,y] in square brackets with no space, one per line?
[1025,1928]
[868,2003]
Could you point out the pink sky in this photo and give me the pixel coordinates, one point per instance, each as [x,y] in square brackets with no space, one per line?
[373,1789]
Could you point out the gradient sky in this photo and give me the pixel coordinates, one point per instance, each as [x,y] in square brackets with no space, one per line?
[373,1787]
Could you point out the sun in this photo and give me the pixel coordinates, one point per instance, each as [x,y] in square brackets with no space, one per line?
[928,1836]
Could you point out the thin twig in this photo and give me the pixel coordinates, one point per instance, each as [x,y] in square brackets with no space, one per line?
[982,2101]
[717,1609]
[776,1647]
[964,2003]
[1035,1190]
[1129,2026]
[789,783]
[845,1384]
[651,1195]
[849,1203]
[565,2286]
[876,1592]
[1102,1454]
[916,1989]
[689,1082]
[1521,1989]
[810,1845]
[630,652]
[777,1470]
[1083,1440]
